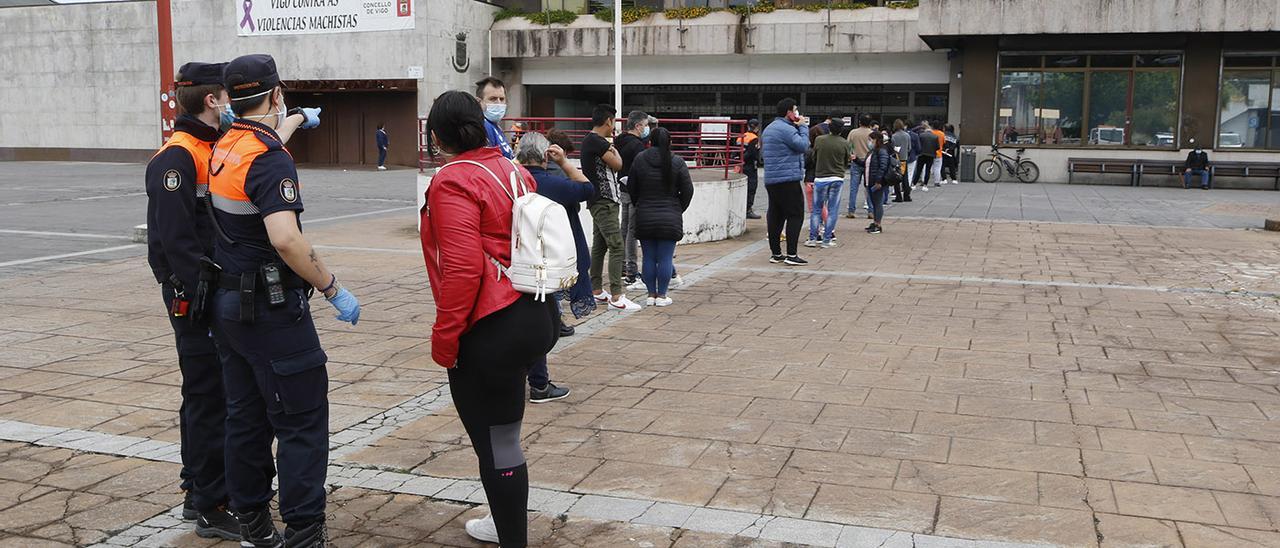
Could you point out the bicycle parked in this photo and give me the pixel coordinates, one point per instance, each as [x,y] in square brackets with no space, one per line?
[999,163]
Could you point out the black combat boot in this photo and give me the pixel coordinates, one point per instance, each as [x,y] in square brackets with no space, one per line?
[217,523]
[257,530]
[312,535]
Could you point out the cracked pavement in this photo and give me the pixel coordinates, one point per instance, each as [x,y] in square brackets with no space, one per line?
[949,382]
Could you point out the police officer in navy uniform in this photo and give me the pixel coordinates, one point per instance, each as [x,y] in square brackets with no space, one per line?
[179,234]
[273,365]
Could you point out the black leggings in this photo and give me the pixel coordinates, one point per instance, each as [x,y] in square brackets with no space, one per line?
[488,392]
[949,169]
[786,207]
[924,164]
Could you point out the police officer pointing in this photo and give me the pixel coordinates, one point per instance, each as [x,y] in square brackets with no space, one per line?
[273,366]
[179,235]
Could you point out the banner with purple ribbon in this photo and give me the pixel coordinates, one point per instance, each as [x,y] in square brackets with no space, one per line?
[286,17]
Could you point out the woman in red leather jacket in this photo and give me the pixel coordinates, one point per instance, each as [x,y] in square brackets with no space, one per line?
[486,333]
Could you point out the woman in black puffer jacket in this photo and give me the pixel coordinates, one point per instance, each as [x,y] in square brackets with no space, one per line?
[879,163]
[660,190]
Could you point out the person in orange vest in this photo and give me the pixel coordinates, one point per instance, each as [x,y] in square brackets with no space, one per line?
[178,237]
[750,142]
[273,365]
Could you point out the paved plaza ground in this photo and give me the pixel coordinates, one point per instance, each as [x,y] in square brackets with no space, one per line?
[974,376]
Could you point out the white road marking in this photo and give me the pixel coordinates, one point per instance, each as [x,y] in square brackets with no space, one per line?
[68,255]
[65,234]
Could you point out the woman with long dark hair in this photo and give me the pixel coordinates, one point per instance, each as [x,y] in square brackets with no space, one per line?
[879,162]
[486,333]
[660,191]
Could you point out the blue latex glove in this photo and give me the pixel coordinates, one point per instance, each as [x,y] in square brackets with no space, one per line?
[347,305]
[312,116]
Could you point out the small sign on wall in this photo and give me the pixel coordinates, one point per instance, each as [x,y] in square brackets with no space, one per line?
[414,72]
[291,17]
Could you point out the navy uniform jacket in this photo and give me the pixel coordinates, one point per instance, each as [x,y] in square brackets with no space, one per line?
[179,230]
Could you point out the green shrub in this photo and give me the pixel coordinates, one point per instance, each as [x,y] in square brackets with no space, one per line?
[761,7]
[629,15]
[689,13]
[552,17]
[507,13]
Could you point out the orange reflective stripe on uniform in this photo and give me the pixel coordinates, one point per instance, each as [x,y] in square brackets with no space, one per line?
[200,152]
[229,169]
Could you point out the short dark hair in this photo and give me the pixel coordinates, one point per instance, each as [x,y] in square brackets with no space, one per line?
[864,120]
[486,82]
[191,98]
[241,106]
[836,125]
[381,125]
[559,137]
[602,113]
[785,106]
[634,119]
[950,128]
[457,122]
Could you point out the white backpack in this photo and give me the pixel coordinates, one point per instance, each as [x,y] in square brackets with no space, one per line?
[544,257]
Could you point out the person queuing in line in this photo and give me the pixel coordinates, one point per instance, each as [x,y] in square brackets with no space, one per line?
[879,163]
[179,235]
[535,153]
[929,147]
[274,370]
[486,333]
[661,190]
[383,142]
[1197,165]
[632,141]
[936,129]
[601,162]
[492,94]
[950,155]
[810,165]
[750,142]
[785,141]
[859,138]
[561,139]
[901,141]
[832,153]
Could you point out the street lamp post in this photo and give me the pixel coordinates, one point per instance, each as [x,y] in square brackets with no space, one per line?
[617,56]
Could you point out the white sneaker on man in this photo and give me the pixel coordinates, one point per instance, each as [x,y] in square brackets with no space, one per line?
[382,168]
[662,301]
[603,297]
[650,301]
[483,530]
[623,304]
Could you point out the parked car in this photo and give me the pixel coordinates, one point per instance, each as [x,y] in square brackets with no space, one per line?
[1106,136]
[1230,140]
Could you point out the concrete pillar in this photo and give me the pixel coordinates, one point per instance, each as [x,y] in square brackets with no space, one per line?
[978,89]
[1201,67]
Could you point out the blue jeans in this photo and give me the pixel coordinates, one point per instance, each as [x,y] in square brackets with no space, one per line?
[1204,178]
[855,181]
[382,156]
[877,200]
[827,194]
[657,269]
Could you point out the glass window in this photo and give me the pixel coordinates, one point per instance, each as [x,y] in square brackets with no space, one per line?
[1246,61]
[1155,108]
[1064,61]
[1274,143]
[1018,108]
[1159,60]
[1111,61]
[1020,61]
[1242,114]
[1062,108]
[1108,107]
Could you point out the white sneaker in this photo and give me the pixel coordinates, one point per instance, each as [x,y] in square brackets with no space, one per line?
[650,301]
[623,304]
[829,244]
[662,301]
[676,281]
[637,285]
[483,530]
[811,243]
[382,168]
[925,188]
[603,297]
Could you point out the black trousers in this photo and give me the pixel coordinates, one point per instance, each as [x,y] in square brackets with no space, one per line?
[488,388]
[203,410]
[753,182]
[949,166]
[277,389]
[786,209]
[924,163]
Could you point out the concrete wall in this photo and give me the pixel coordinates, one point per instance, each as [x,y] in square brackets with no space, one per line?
[79,77]
[1005,17]
[878,68]
[83,80]
[870,30]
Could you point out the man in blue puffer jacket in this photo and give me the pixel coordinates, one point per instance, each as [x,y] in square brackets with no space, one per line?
[783,145]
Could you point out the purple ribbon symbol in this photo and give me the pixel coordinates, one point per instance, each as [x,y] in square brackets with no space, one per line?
[248,17]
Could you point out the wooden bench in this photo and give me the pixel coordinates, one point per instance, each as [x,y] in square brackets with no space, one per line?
[1246,170]
[1106,166]
[1164,168]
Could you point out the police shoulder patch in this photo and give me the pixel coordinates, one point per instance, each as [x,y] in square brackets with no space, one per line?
[172,180]
[289,190]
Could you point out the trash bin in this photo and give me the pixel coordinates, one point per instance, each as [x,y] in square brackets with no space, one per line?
[968,164]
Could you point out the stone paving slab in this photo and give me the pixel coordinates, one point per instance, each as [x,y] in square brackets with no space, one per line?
[945,383]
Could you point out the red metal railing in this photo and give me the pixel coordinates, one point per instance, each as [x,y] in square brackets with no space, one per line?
[703,144]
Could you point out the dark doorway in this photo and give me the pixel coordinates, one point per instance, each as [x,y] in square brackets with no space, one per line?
[349,120]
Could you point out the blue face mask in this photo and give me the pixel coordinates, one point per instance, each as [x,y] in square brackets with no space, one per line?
[495,112]
[225,117]
[645,134]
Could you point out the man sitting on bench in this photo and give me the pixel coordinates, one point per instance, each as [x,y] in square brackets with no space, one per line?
[1197,165]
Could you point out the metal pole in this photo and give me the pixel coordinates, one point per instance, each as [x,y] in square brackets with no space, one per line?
[617,56]
[168,102]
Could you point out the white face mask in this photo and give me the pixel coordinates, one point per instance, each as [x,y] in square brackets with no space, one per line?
[281,111]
